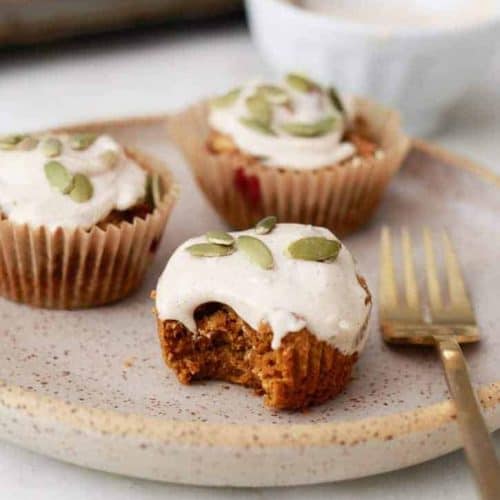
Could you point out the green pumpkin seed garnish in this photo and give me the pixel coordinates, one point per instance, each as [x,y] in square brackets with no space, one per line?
[335,99]
[256,251]
[266,225]
[109,158]
[259,109]
[8,142]
[257,126]
[82,141]
[226,100]
[58,176]
[28,143]
[315,129]
[156,189]
[219,238]
[82,189]
[301,83]
[210,250]
[51,147]
[274,94]
[314,248]
[148,197]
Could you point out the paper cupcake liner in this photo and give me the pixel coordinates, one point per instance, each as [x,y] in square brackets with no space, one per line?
[77,268]
[341,197]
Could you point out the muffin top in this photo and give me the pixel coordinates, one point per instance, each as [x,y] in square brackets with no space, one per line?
[70,181]
[267,278]
[297,124]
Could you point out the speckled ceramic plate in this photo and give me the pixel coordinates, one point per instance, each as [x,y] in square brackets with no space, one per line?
[90,387]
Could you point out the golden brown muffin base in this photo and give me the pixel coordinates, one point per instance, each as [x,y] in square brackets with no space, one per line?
[141,210]
[304,371]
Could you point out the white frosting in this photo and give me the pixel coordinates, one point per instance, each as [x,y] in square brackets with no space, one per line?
[27,197]
[283,149]
[324,296]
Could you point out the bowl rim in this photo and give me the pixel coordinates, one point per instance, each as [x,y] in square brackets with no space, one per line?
[381,32]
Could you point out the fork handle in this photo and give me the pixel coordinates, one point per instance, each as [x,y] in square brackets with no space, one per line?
[476,437]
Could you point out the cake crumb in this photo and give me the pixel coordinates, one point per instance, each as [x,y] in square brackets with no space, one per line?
[129,362]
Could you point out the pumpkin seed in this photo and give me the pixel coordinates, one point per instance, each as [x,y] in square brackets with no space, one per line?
[256,251]
[335,99]
[59,177]
[8,142]
[156,189]
[314,248]
[28,143]
[273,94]
[219,237]
[109,158]
[148,197]
[266,225]
[82,141]
[259,108]
[257,126]
[226,100]
[314,129]
[210,250]
[82,189]
[301,83]
[51,147]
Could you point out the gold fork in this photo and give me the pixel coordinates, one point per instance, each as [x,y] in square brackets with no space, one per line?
[449,325]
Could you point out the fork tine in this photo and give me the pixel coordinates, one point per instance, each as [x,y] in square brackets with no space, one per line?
[431,272]
[388,288]
[456,285]
[410,277]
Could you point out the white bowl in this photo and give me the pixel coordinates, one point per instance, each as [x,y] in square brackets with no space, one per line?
[420,71]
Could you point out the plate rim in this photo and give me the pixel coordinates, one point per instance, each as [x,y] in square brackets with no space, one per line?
[342,432]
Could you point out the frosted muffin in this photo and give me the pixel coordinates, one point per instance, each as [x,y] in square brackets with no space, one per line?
[81,217]
[280,309]
[297,150]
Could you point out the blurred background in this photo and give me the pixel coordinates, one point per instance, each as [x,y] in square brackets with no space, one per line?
[76,60]
[32,21]
[67,61]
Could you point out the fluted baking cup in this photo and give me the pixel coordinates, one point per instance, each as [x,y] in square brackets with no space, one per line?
[76,268]
[341,197]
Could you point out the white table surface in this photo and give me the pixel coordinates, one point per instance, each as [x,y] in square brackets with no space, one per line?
[160,71]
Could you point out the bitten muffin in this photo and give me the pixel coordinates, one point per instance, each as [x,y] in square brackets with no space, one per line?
[297,150]
[280,309]
[81,217]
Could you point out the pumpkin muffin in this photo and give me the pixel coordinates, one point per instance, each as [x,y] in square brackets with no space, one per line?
[279,309]
[297,150]
[81,217]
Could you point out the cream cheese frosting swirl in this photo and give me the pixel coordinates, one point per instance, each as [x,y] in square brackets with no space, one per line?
[27,195]
[324,296]
[303,128]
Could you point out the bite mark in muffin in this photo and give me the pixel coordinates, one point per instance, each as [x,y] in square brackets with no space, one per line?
[279,309]
[304,371]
